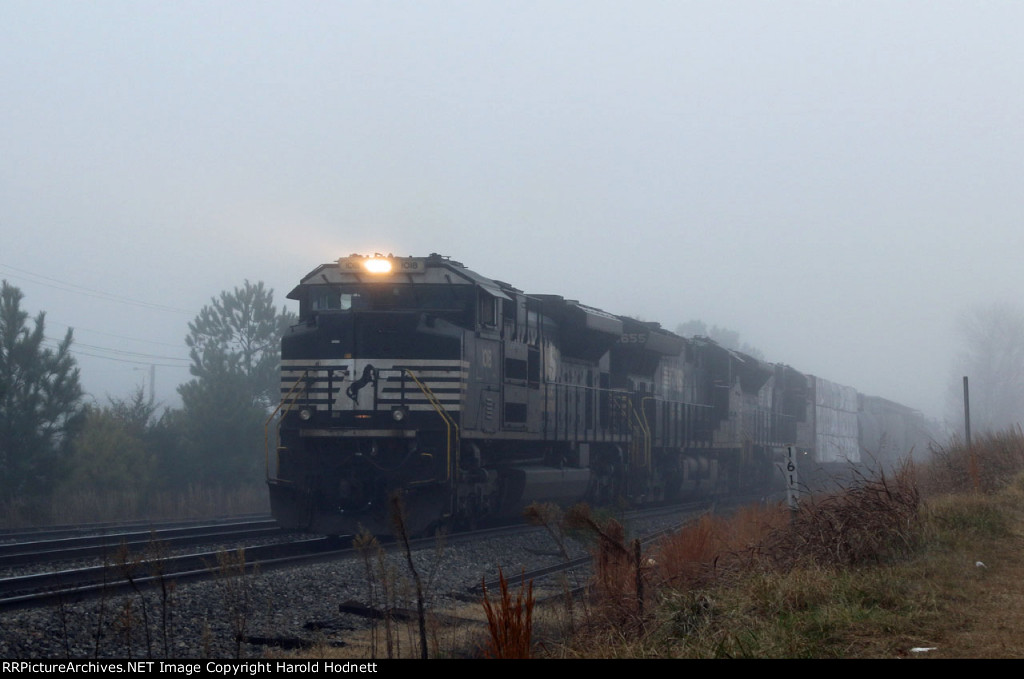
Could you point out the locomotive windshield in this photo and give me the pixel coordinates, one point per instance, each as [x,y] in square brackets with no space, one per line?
[451,301]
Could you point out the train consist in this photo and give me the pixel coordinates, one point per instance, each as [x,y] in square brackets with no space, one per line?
[471,400]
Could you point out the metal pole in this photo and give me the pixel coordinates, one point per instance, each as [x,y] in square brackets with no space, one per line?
[972,459]
[967,413]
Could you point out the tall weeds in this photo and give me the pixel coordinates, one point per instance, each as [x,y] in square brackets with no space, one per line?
[842,573]
[986,466]
[551,517]
[379,585]
[398,518]
[231,572]
[509,621]
[870,520]
[620,568]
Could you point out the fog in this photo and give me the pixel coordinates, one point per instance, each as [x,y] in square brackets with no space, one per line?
[835,181]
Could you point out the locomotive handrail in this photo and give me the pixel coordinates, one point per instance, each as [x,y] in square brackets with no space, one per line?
[448,420]
[556,389]
[647,425]
[642,425]
[623,403]
[670,410]
[266,425]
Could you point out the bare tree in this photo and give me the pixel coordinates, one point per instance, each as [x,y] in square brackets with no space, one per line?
[992,357]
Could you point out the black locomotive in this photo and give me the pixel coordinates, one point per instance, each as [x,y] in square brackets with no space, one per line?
[472,399]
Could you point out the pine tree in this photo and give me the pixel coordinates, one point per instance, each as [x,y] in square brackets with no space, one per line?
[40,399]
[235,348]
[238,336]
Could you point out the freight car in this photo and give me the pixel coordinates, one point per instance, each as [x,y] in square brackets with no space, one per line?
[470,399]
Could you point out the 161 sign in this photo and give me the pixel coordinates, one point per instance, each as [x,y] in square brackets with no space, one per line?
[788,467]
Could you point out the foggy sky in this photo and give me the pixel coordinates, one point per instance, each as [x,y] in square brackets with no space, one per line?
[836,181]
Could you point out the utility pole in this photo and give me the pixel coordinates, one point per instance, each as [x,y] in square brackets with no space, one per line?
[152,382]
[972,460]
[967,413]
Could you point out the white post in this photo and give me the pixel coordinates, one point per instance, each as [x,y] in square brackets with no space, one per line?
[792,483]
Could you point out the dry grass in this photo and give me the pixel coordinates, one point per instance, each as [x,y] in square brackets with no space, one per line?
[988,465]
[878,570]
[871,521]
[509,621]
[708,549]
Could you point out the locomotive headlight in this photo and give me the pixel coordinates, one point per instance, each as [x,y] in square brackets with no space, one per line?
[305,414]
[398,414]
[377,265]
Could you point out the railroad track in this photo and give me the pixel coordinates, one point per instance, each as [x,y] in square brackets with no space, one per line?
[295,596]
[571,564]
[135,574]
[134,561]
[121,544]
[40,533]
[557,582]
[66,564]
[547,581]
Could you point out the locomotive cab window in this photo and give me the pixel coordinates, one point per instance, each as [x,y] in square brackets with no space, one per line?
[331,299]
[452,302]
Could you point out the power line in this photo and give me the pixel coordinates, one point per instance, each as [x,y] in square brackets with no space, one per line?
[89,292]
[122,352]
[106,353]
[131,361]
[119,355]
[76,342]
[127,360]
[78,328]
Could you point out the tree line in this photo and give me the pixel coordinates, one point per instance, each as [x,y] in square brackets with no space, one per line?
[53,441]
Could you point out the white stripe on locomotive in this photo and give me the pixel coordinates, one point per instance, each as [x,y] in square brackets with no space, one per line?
[445,379]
